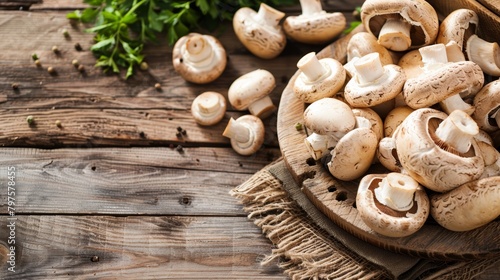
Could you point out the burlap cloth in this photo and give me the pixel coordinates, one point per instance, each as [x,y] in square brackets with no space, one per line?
[309,246]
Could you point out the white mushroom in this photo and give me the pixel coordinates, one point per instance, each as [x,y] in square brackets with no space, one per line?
[437,150]
[251,91]
[487,104]
[485,54]
[374,122]
[318,78]
[457,26]
[393,204]
[314,25]
[199,58]
[400,25]
[387,154]
[329,119]
[208,108]
[470,206]
[246,134]
[395,117]
[260,32]
[363,43]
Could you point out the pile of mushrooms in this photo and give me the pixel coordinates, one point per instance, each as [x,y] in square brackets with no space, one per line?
[434,87]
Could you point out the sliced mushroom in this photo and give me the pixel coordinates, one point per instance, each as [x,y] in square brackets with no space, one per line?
[470,206]
[400,25]
[208,108]
[329,119]
[373,83]
[393,204]
[251,91]
[318,78]
[437,150]
[487,104]
[260,32]
[246,134]
[199,58]
[314,25]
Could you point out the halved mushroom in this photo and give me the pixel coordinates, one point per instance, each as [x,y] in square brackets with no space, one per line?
[318,78]
[437,150]
[251,91]
[400,25]
[392,204]
[470,206]
[487,104]
[314,25]
[246,134]
[260,32]
[208,108]
[199,58]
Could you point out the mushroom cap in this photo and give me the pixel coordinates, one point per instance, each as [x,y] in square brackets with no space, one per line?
[257,131]
[412,64]
[363,43]
[424,160]
[420,14]
[383,89]
[250,87]
[385,220]
[377,125]
[318,28]
[387,155]
[395,117]
[200,72]
[486,102]
[470,206]
[353,155]
[458,26]
[208,108]
[326,86]
[432,87]
[329,116]
[263,40]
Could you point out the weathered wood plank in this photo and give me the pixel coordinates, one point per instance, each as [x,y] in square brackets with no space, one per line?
[136,181]
[55,247]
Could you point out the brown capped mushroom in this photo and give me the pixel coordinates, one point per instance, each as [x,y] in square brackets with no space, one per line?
[314,25]
[318,78]
[392,204]
[439,150]
[199,58]
[400,25]
[251,91]
[487,106]
[208,108]
[246,134]
[470,206]
[260,32]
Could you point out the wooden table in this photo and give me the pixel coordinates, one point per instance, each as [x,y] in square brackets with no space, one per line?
[113,193]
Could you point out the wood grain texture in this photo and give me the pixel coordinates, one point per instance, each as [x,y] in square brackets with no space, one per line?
[62,247]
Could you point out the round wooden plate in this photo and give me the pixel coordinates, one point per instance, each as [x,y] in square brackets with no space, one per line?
[336,199]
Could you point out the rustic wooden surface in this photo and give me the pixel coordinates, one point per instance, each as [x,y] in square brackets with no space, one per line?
[107,195]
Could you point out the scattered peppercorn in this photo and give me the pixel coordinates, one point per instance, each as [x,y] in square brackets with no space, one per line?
[75,62]
[179,128]
[142,134]
[51,70]
[34,56]
[184,132]
[58,123]
[178,134]
[94,259]
[78,47]
[65,33]
[158,86]
[298,126]
[81,68]
[55,49]
[179,148]
[15,86]
[144,65]
[38,63]
[171,146]
[30,120]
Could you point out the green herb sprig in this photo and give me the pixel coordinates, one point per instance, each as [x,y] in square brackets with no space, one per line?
[123,27]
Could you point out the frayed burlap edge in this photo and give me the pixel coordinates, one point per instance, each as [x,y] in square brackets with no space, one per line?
[303,250]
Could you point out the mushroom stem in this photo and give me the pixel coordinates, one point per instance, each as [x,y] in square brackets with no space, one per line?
[318,144]
[268,16]
[198,49]
[485,54]
[237,131]
[455,102]
[396,191]
[312,68]
[368,68]
[262,107]
[209,104]
[433,56]
[457,131]
[454,52]
[310,7]
[395,34]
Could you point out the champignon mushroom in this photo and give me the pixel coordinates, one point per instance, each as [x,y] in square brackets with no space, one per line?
[387,154]
[443,82]
[470,206]
[485,54]
[392,204]
[400,25]
[318,78]
[246,133]
[208,108]
[329,119]
[487,104]
[374,121]
[373,83]
[251,91]
[395,117]
[260,32]
[199,58]
[439,150]
[363,43]
[354,154]
[314,25]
